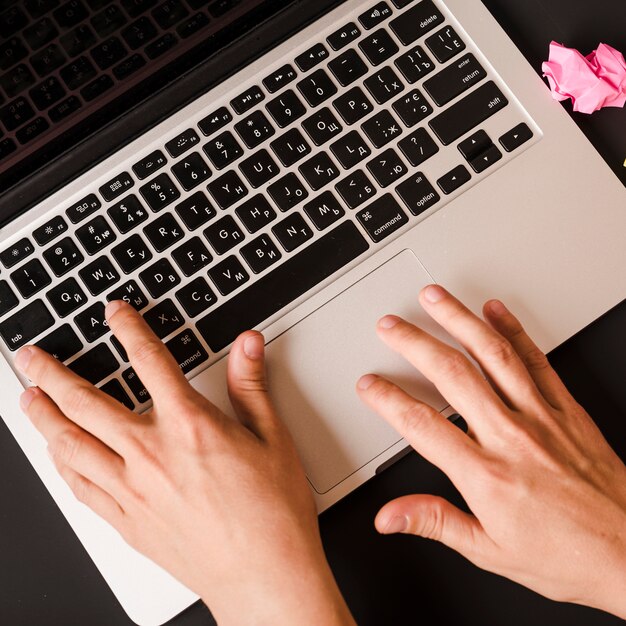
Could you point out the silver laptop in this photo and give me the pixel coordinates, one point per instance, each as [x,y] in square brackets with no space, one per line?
[385,146]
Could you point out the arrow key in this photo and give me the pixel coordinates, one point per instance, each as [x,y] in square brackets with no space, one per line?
[475,145]
[454,179]
[486,159]
[516,137]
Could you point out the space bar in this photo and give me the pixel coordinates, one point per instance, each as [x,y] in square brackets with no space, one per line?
[282,286]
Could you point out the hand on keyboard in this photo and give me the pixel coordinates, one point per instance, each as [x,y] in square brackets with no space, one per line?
[547,494]
[223,505]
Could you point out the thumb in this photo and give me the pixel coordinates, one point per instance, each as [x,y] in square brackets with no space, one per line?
[433,518]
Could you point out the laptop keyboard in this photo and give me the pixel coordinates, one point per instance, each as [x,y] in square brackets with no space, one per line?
[264,197]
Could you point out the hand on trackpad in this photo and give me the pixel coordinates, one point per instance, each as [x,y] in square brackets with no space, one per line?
[314,368]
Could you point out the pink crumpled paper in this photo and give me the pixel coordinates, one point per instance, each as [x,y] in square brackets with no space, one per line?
[592,82]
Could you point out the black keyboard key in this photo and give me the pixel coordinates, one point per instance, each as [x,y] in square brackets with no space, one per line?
[486,159]
[16,80]
[456,78]
[382,128]
[131,294]
[223,150]
[183,142]
[195,211]
[191,171]
[114,389]
[187,351]
[322,126]
[92,323]
[291,147]
[377,14]
[216,121]
[16,113]
[287,192]
[400,4]
[516,137]
[319,171]
[127,214]
[468,113]
[280,78]
[95,235]
[412,108]
[164,318]
[77,73]
[193,25]
[228,275]
[63,257]
[47,60]
[30,278]
[254,129]
[95,365]
[259,169]
[16,253]
[387,168]
[475,144]
[159,192]
[116,186]
[378,47]
[445,44]
[286,283]
[99,275]
[196,297]
[224,235]
[324,210]
[159,278]
[136,386]
[286,108]
[317,88]
[454,179]
[160,46]
[228,190]
[31,130]
[131,254]
[292,232]
[247,100]
[348,67]
[343,36]
[64,109]
[7,146]
[355,189]
[192,256]
[255,213]
[70,14]
[312,57]
[150,164]
[163,232]
[119,347]
[418,194]
[46,93]
[37,8]
[8,300]
[108,53]
[62,343]
[108,21]
[415,64]
[96,88]
[382,218]
[384,85]
[40,33]
[416,22]
[78,40]
[169,13]
[353,106]
[25,325]
[137,7]
[12,21]
[261,254]
[418,147]
[128,66]
[50,230]
[66,297]
[139,33]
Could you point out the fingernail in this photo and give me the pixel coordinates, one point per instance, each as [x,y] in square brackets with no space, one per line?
[497,308]
[434,294]
[23,359]
[113,307]
[397,524]
[254,346]
[26,398]
[389,321]
[365,382]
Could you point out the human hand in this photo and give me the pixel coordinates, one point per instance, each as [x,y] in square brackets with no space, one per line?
[223,505]
[546,491]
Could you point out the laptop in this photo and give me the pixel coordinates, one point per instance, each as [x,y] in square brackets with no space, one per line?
[293,166]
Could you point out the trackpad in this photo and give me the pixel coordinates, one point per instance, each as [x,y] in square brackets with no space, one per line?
[314,367]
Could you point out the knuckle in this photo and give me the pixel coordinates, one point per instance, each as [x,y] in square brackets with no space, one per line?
[247,384]
[147,351]
[535,359]
[80,487]
[454,365]
[432,521]
[66,447]
[380,392]
[499,350]
[80,400]
[414,417]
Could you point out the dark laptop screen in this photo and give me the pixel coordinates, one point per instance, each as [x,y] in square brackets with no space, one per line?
[69,67]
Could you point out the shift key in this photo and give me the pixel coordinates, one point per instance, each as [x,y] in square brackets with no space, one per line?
[382,218]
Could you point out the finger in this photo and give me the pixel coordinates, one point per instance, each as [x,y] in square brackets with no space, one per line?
[71,445]
[151,360]
[247,384]
[495,355]
[458,381]
[435,518]
[77,399]
[535,361]
[99,501]
[428,432]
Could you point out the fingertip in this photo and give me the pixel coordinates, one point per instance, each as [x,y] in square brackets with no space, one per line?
[254,346]
[388,522]
[365,382]
[114,307]
[496,308]
[432,294]
[388,322]
[27,397]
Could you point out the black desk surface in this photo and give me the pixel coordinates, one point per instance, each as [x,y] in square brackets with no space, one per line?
[46,579]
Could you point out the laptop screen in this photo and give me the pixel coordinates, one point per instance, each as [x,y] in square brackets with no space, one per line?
[70,67]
